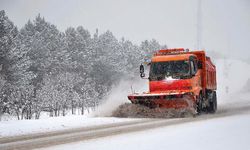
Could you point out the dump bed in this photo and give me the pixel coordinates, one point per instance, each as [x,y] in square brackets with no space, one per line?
[208,70]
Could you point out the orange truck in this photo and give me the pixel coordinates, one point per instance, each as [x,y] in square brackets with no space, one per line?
[179,78]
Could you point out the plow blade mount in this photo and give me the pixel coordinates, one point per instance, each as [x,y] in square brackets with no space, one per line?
[163,100]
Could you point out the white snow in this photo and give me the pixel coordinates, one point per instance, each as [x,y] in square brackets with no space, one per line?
[169,79]
[118,96]
[20,127]
[232,77]
[228,133]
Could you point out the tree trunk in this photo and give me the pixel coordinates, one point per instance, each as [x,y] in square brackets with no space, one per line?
[82,109]
[22,113]
[51,112]
[37,115]
[17,114]
[56,109]
[27,114]
[72,107]
[63,111]
[72,110]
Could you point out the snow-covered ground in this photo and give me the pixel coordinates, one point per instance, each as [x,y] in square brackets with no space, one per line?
[21,127]
[228,133]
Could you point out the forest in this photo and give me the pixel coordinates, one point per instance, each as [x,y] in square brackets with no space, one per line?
[43,69]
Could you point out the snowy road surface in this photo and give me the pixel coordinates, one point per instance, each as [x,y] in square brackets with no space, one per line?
[228,129]
[22,127]
[232,119]
[227,133]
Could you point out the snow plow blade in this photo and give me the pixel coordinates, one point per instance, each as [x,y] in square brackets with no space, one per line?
[163,100]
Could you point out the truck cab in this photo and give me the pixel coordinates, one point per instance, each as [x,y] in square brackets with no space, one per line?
[173,73]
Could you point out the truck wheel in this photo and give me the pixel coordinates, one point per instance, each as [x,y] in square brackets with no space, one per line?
[199,104]
[213,104]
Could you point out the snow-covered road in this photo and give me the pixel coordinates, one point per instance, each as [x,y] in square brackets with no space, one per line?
[230,133]
[23,127]
[230,118]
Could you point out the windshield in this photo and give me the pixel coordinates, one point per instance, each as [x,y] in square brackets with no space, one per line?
[174,69]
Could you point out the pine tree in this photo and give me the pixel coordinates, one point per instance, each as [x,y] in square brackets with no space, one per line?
[8,33]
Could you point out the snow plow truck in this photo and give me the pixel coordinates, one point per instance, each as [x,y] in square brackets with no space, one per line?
[179,78]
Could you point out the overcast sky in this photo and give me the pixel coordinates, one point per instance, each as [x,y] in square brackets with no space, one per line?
[225,23]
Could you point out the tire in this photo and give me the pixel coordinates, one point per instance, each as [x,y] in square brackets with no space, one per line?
[212,108]
[199,104]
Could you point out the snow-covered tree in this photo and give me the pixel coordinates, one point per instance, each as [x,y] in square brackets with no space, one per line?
[43,69]
[8,33]
[2,102]
[57,92]
[149,47]
[20,77]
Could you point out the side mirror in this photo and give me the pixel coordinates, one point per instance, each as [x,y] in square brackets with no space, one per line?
[193,68]
[142,74]
[199,64]
[193,73]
